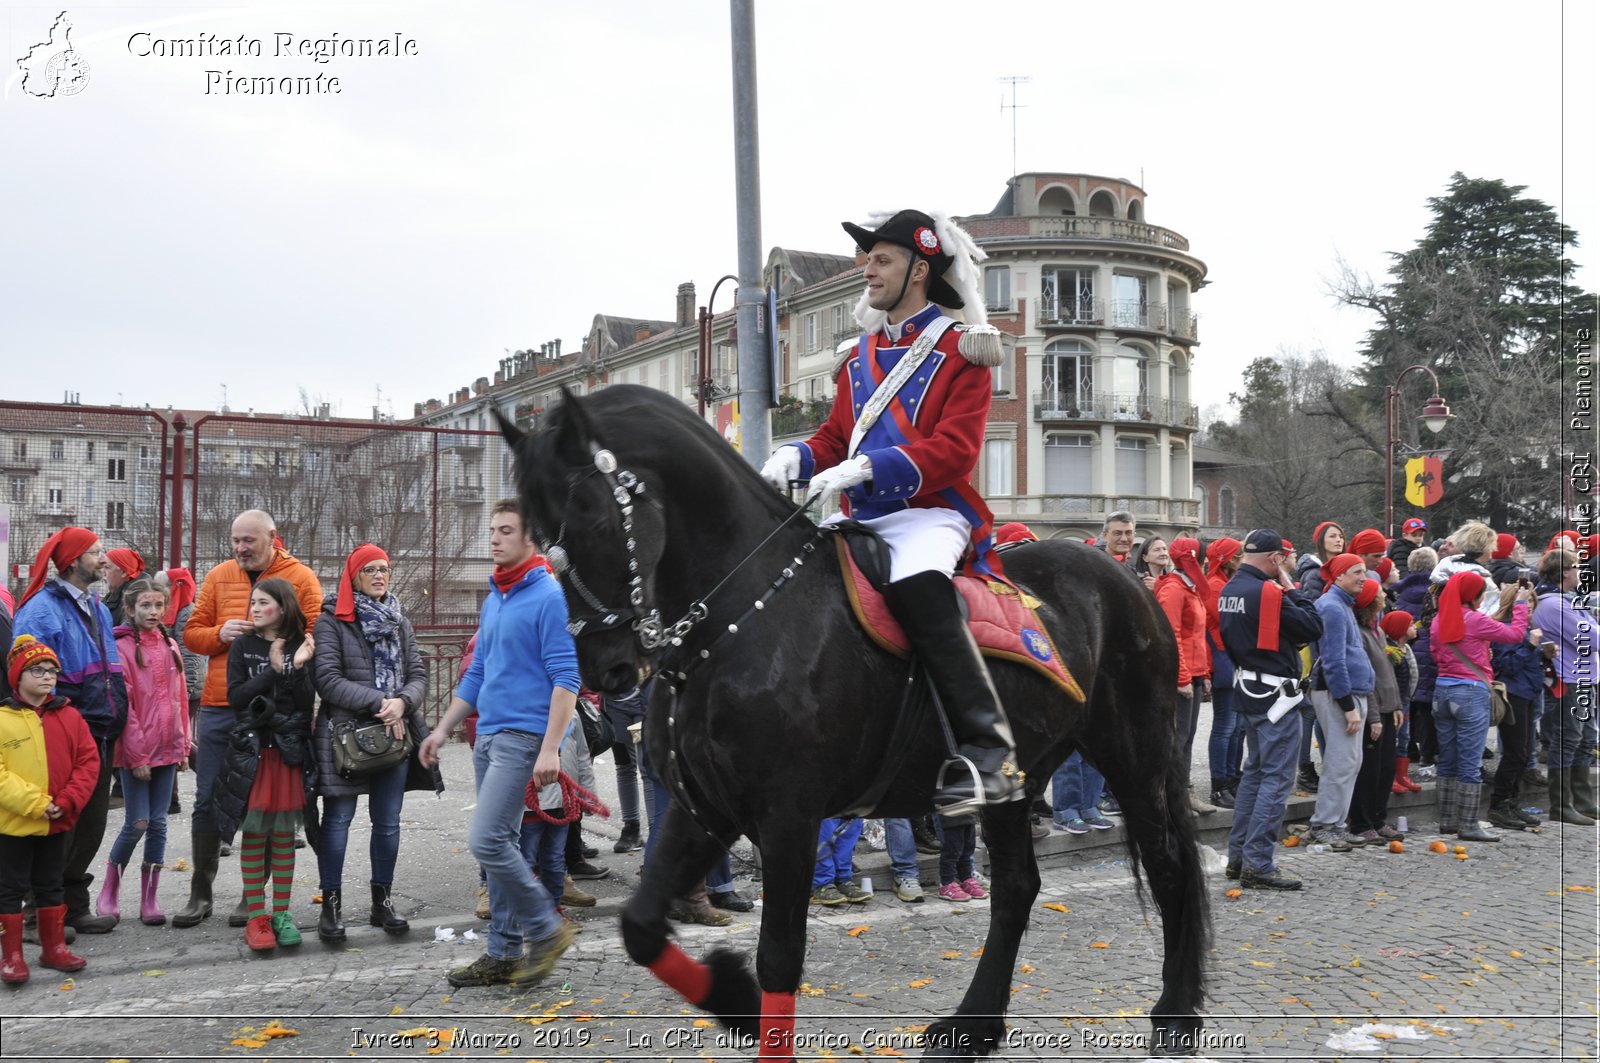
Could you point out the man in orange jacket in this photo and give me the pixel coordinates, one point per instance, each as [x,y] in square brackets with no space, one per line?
[221,614]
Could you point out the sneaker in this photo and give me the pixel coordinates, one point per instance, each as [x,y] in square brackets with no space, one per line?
[974,888]
[952,891]
[1354,839]
[586,871]
[535,964]
[828,896]
[1109,806]
[1199,805]
[1390,834]
[258,933]
[284,930]
[852,893]
[1330,838]
[1369,837]
[1270,880]
[1097,822]
[908,889]
[481,910]
[1075,825]
[1036,827]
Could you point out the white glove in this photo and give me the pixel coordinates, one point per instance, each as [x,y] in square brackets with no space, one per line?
[783,466]
[829,484]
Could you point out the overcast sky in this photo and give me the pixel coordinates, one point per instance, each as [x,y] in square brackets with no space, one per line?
[536,163]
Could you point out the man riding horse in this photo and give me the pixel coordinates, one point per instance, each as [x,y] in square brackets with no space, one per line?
[900,446]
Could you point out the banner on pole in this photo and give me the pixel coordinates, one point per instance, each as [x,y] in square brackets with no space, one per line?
[1424,481]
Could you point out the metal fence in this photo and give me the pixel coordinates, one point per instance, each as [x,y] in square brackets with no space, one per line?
[150,480]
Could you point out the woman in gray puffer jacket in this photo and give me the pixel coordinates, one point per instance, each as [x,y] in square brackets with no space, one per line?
[368,670]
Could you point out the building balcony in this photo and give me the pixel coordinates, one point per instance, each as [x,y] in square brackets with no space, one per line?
[848,335]
[467,446]
[1093,509]
[1052,407]
[801,418]
[23,465]
[1125,314]
[465,494]
[1058,229]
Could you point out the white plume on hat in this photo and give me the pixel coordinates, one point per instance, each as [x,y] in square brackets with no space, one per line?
[980,341]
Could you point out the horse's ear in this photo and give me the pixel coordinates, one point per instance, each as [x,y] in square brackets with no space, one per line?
[575,442]
[513,435]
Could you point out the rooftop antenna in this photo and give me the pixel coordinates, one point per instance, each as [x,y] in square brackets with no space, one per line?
[1013,106]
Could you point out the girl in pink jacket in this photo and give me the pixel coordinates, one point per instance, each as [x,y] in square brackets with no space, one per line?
[154,742]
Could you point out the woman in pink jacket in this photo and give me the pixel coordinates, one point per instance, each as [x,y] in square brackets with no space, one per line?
[154,742]
[1460,637]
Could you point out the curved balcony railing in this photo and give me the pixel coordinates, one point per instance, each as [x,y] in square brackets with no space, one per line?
[1054,406]
[801,418]
[1074,228]
[1150,317]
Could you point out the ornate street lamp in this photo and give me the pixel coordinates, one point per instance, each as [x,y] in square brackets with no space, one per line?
[1435,415]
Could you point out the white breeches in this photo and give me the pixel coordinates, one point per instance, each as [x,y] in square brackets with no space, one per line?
[921,540]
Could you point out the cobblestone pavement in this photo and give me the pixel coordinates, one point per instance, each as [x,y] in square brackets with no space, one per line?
[1492,957]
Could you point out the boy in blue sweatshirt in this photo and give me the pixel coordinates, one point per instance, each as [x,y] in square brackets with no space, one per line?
[523,681]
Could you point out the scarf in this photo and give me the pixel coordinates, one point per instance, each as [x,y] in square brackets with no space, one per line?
[506,578]
[380,625]
[1270,617]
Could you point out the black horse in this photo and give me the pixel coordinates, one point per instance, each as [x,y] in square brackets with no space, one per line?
[769,719]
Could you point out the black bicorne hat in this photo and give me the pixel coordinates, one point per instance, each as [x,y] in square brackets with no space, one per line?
[916,232]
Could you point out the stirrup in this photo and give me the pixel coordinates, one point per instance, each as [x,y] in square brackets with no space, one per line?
[971,790]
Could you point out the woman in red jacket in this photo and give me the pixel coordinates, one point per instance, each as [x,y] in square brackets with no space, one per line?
[1182,596]
[48,767]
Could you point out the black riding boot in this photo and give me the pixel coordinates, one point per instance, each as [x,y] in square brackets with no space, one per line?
[929,609]
[383,913]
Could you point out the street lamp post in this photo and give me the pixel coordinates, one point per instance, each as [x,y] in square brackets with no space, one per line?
[703,379]
[1435,415]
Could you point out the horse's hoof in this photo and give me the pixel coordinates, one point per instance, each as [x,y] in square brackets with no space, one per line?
[735,998]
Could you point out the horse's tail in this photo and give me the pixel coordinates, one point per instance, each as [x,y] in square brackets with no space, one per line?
[1189,934]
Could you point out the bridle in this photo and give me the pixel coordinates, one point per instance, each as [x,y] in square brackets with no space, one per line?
[628,490]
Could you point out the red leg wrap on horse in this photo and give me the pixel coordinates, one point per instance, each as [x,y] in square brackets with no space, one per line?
[777,1026]
[690,977]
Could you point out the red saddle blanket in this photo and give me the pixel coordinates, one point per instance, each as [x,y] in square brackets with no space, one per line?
[1004,625]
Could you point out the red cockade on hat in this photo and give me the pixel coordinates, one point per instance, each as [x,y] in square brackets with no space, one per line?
[927,240]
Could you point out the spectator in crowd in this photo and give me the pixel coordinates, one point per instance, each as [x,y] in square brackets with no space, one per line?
[125,566]
[1571,630]
[1151,560]
[1520,666]
[625,710]
[1369,545]
[694,906]
[1181,593]
[524,683]
[1412,534]
[368,670]
[833,881]
[1264,622]
[1460,637]
[958,874]
[1116,536]
[221,615]
[1075,791]
[902,848]
[1470,548]
[1415,595]
[261,788]
[46,777]
[579,766]
[1399,629]
[1327,542]
[180,606]
[1369,802]
[65,615]
[154,742]
[1225,749]
[1341,689]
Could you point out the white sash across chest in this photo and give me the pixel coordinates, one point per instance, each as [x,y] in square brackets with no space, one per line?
[890,386]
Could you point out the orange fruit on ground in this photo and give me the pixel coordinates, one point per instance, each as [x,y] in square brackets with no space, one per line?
[1292,840]
[1438,847]
[1461,850]
[1396,846]
[1234,895]
[1461,856]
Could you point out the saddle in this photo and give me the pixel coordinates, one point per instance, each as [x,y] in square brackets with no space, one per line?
[1002,620]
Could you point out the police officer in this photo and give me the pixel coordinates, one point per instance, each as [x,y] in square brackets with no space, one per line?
[1265,622]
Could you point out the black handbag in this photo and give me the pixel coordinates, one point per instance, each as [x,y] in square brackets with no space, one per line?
[598,733]
[368,748]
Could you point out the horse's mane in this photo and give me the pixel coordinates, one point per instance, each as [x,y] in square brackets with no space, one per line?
[652,429]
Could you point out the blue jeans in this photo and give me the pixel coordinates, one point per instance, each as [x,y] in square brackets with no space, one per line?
[958,845]
[544,847]
[518,905]
[1226,745]
[836,846]
[145,802]
[1271,756]
[902,847]
[212,731]
[1567,725]
[386,792]
[1075,789]
[1461,716]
